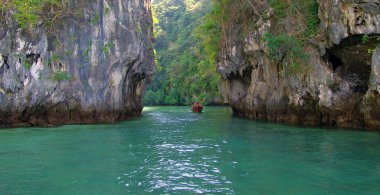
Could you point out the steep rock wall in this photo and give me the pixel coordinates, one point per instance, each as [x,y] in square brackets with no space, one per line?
[92,68]
[339,83]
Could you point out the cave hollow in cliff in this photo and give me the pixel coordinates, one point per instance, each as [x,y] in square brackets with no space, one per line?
[240,82]
[351,60]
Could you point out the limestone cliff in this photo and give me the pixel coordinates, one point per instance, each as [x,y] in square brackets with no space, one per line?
[337,84]
[92,68]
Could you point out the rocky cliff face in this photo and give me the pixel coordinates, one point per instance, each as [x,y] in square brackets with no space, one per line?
[92,68]
[337,84]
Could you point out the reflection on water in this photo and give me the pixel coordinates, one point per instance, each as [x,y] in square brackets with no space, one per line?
[178,162]
[171,150]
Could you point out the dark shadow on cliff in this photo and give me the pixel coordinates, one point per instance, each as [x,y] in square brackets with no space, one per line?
[351,61]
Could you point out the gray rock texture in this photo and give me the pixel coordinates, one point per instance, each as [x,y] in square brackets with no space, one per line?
[341,84]
[93,68]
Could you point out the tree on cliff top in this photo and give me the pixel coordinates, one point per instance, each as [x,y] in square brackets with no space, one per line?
[29,13]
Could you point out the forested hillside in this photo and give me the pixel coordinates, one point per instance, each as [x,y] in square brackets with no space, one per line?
[186,69]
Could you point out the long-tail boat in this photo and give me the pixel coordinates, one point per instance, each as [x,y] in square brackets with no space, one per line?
[197,107]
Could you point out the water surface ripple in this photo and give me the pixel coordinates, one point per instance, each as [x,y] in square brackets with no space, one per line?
[171,150]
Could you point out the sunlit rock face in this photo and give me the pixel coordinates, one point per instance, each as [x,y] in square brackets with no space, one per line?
[341,85]
[91,68]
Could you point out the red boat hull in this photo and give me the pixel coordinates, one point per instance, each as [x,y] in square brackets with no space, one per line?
[197,109]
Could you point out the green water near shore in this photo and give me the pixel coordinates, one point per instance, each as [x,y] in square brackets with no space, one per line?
[171,150]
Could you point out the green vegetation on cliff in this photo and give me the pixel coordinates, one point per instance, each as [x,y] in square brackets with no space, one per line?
[285,45]
[29,13]
[186,70]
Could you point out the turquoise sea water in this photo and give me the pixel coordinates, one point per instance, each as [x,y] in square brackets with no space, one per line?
[171,150]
